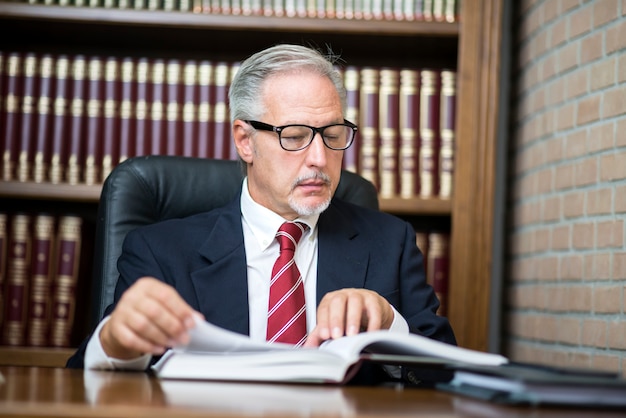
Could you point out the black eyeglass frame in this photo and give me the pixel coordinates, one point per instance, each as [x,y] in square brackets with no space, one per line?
[262,126]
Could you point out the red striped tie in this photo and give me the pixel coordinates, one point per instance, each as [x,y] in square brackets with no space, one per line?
[286,321]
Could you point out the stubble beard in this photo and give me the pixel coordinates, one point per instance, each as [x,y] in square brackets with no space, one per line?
[299,206]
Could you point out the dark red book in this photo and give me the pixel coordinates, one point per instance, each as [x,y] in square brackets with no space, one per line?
[94,120]
[27,128]
[233,154]
[111,122]
[60,119]
[448,133]
[142,107]
[421,240]
[389,127]
[190,109]
[408,161]
[430,90]
[221,125]
[43,136]
[4,235]
[12,115]
[76,151]
[352,82]
[127,116]
[17,286]
[368,132]
[67,257]
[438,268]
[173,111]
[206,100]
[156,116]
[38,321]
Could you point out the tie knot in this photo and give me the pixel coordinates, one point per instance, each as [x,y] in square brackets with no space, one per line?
[289,234]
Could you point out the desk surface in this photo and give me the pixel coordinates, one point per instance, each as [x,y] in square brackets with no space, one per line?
[54,392]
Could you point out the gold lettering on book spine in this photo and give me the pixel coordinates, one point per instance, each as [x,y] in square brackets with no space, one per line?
[77,106]
[59,108]
[11,106]
[388,132]
[190,80]
[205,78]
[446,150]
[44,107]
[427,134]
[28,107]
[409,134]
[94,110]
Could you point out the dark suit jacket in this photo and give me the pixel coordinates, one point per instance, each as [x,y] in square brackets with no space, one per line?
[203,257]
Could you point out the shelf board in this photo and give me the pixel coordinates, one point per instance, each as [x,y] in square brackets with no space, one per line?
[30,356]
[416,206]
[226,22]
[47,191]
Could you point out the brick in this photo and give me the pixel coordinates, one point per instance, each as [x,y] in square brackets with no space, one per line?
[604,11]
[606,362]
[617,335]
[614,102]
[598,266]
[559,33]
[551,209]
[613,166]
[571,268]
[568,331]
[620,134]
[607,299]
[591,48]
[565,116]
[577,82]
[541,240]
[601,136]
[619,266]
[621,68]
[545,327]
[594,332]
[575,144]
[599,202]
[616,38]
[610,234]
[620,199]
[581,21]
[564,177]
[588,109]
[568,57]
[547,268]
[561,237]
[583,235]
[567,5]
[604,74]
[551,10]
[586,172]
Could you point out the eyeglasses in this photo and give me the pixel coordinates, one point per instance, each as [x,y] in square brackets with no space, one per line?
[338,136]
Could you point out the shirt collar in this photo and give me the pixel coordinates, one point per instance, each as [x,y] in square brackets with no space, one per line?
[264,223]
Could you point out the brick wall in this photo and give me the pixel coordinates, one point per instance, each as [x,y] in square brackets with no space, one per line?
[566,228]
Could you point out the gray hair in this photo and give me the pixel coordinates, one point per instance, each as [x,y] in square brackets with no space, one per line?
[246,101]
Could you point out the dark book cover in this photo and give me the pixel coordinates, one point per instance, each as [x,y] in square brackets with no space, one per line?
[352,83]
[94,120]
[127,115]
[369,133]
[12,115]
[389,127]
[221,125]
[173,110]
[430,91]
[3,264]
[408,150]
[111,114]
[60,119]
[43,135]
[157,139]
[27,130]
[438,268]
[190,109]
[76,149]
[142,107]
[206,101]
[448,133]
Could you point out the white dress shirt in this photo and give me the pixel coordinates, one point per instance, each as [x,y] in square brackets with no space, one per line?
[259,230]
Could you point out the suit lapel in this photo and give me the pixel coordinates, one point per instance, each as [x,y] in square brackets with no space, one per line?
[221,286]
[342,257]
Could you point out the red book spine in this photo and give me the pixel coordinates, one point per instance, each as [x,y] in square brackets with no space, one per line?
[438,268]
[389,126]
[448,133]
[421,240]
[157,105]
[429,133]
[173,110]
[142,107]
[369,124]
[206,97]
[68,246]
[94,120]
[44,118]
[12,115]
[19,250]
[409,133]
[128,117]
[190,100]
[3,263]
[40,281]
[111,126]
[351,80]
[60,114]
[220,112]
[27,129]
[77,120]
[230,141]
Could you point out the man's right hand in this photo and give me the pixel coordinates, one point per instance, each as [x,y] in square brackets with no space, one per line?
[149,317]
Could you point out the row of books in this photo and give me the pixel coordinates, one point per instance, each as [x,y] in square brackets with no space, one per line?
[412,10]
[72,118]
[39,265]
[435,248]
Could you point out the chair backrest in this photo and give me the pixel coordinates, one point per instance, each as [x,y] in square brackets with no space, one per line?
[145,190]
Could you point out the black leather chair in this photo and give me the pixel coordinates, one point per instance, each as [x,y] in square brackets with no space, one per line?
[145,190]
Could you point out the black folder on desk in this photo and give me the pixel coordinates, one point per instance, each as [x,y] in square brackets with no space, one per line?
[526,384]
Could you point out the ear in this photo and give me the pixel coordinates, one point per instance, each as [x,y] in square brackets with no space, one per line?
[243,140]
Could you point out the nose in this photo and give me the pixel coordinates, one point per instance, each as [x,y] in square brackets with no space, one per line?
[316,152]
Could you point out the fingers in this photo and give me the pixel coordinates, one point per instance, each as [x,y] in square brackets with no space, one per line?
[348,312]
[149,317]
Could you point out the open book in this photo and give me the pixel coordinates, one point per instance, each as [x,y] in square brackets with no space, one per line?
[214,353]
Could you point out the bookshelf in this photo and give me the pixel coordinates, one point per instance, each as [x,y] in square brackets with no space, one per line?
[470,45]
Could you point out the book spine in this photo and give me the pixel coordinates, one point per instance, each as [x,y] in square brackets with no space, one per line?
[128,118]
[40,281]
[421,240]
[27,131]
[12,115]
[369,124]
[206,98]
[429,133]
[19,251]
[60,120]
[230,142]
[451,11]
[190,102]
[409,133]
[438,268]
[111,128]
[157,105]
[68,246]
[447,125]
[94,120]
[389,126]
[44,118]
[142,107]
[352,82]
[173,110]
[77,122]
[220,111]
[3,264]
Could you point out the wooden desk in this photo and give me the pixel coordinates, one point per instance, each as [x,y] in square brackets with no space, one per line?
[54,392]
